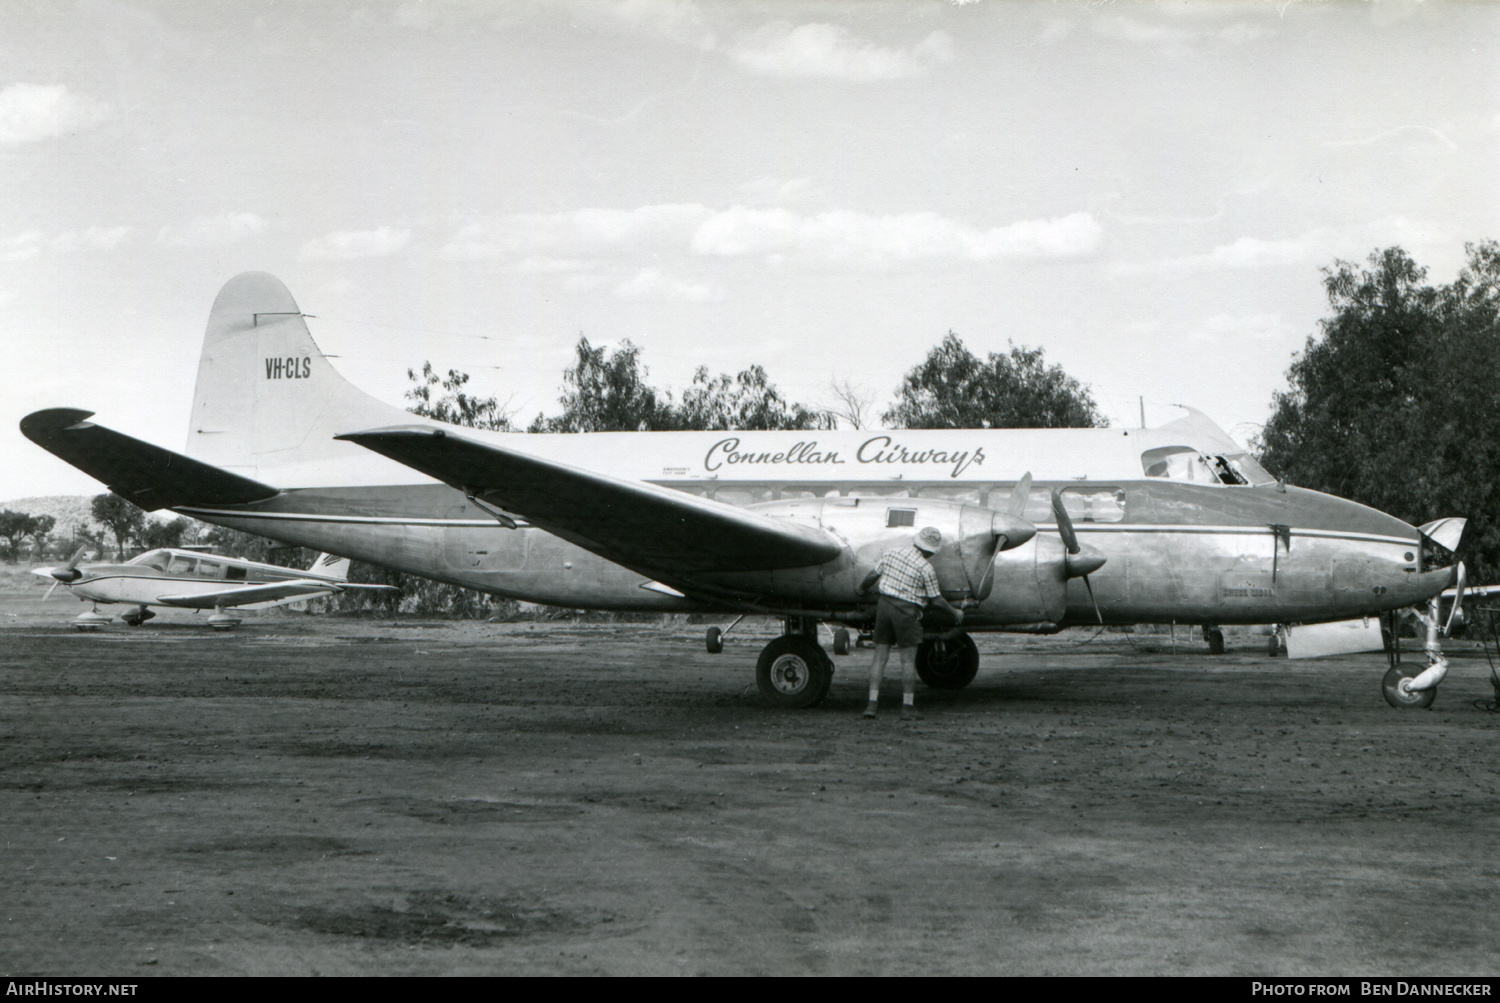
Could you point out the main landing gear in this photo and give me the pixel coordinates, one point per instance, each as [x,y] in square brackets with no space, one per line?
[948,663]
[794,671]
[139,616]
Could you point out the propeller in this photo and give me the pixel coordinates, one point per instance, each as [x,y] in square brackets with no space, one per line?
[1455,615]
[1019,495]
[61,576]
[1082,561]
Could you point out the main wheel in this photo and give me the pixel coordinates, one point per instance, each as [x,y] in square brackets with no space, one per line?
[1215,641]
[948,665]
[1401,698]
[714,640]
[793,672]
[841,641]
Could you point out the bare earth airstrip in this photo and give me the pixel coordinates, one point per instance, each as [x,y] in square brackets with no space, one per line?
[311,795]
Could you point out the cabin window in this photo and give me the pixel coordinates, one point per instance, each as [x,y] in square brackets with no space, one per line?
[234,573]
[895,517]
[180,566]
[209,569]
[950,493]
[1094,504]
[743,495]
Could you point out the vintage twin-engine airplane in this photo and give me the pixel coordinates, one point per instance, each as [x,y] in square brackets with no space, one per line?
[187,579]
[1121,526]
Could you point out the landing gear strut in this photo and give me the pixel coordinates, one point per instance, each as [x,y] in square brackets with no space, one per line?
[793,670]
[948,663]
[1403,690]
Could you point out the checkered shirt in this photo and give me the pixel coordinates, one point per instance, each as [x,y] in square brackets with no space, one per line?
[906,574]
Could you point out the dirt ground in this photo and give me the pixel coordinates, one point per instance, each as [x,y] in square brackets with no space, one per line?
[311,795]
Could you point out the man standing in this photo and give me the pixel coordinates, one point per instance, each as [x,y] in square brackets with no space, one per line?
[907,582]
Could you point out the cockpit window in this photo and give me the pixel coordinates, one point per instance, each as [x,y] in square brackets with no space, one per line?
[1184,463]
[153,559]
[181,565]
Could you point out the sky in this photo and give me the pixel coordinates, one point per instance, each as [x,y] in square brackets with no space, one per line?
[1146,191]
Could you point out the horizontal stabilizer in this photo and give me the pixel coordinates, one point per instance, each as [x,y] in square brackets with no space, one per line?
[637,525]
[149,476]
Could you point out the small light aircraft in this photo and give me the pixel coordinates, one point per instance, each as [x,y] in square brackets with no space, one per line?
[187,579]
[1042,528]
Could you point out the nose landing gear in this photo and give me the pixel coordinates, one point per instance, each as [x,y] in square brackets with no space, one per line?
[1400,687]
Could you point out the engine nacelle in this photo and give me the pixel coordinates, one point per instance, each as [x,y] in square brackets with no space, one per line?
[868,527]
[1030,585]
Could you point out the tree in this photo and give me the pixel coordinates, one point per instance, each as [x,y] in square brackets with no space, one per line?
[853,403]
[41,528]
[455,406]
[604,392]
[165,534]
[953,388]
[1397,404]
[120,517]
[15,527]
[747,402]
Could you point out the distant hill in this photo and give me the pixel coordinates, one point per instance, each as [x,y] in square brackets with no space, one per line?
[68,510]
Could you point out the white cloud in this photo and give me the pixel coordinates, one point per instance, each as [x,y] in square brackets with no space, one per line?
[1246,252]
[653,283]
[414,15]
[862,240]
[1251,327]
[22,246]
[204,231]
[830,50]
[31,112]
[343,245]
[95,238]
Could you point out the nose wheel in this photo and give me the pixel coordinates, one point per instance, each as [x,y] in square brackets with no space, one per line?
[1396,689]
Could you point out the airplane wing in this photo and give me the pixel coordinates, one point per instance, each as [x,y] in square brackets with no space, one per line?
[149,476]
[637,525]
[244,595]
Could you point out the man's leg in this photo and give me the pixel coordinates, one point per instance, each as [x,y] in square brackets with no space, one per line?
[877,672]
[908,659]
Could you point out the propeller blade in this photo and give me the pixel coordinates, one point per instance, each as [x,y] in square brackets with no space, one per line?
[1019,495]
[1064,523]
[51,590]
[1097,612]
[1455,615]
[73,561]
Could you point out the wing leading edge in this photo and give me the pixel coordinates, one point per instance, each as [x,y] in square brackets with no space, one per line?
[149,476]
[637,525]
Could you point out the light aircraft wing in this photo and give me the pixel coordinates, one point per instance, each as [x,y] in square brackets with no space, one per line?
[244,595]
[147,475]
[637,525]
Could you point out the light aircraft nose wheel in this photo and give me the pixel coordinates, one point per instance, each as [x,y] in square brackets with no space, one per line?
[714,640]
[950,664]
[841,642]
[793,672]
[1396,693]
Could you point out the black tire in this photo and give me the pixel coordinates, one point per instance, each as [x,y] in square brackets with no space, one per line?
[841,642]
[1273,645]
[1216,641]
[793,672]
[714,640]
[948,665]
[1391,687]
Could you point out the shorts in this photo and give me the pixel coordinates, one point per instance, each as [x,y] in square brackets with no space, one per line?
[898,623]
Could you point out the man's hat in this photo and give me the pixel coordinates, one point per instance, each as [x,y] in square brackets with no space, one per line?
[929,540]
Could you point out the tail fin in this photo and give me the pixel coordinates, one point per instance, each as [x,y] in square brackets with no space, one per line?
[267,403]
[329,566]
